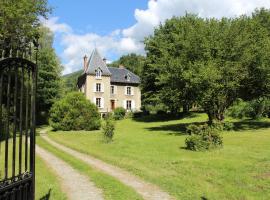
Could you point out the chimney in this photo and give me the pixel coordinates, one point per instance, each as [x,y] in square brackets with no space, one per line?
[85,63]
[105,60]
[121,67]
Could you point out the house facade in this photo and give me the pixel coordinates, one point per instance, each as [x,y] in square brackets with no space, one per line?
[109,87]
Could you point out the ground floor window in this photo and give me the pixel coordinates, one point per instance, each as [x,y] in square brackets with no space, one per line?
[129,105]
[98,102]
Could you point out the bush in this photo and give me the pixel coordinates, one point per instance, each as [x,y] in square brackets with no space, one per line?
[119,113]
[74,112]
[228,126]
[206,138]
[108,128]
[137,114]
[194,129]
[250,109]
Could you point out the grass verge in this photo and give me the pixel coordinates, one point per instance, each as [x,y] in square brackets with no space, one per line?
[153,150]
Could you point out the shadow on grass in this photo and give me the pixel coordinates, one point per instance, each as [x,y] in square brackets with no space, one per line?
[47,196]
[164,117]
[180,128]
[250,125]
[174,129]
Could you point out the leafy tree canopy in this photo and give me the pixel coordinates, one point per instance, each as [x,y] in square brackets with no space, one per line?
[210,62]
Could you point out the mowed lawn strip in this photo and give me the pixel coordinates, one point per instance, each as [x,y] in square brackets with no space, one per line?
[47,183]
[154,151]
[112,188]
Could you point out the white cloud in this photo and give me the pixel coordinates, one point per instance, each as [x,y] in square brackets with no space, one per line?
[56,27]
[129,40]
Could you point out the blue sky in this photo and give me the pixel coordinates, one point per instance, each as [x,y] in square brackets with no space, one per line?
[100,16]
[118,27]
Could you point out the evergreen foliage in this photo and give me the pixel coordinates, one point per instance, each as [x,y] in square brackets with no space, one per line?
[119,113]
[49,75]
[132,62]
[74,112]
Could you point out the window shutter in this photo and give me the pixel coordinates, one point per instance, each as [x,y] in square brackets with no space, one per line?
[102,87]
[125,90]
[132,90]
[125,104]
[102,102]
[94,87]
[133,105]
[115,89]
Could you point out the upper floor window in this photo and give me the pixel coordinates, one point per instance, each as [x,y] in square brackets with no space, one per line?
[128,77]
[98,73]
[128,90]
[112,90]
[98,87]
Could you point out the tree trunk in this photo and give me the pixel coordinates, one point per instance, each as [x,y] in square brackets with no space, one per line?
[186,108]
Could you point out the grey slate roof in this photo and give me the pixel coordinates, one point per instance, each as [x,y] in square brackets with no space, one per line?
[96,62]
[119,75]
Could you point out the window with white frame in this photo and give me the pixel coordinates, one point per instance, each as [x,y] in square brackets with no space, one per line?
[98,102]
[112,89]
[128,77]
[98,73]
[129,104]
[98,87]
[128,90]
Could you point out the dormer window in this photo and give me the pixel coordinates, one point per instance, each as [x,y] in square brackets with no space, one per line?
[128,77]
[98,73]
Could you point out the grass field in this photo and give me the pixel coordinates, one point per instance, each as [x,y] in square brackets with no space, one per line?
[47,184]
[112,188]
[153,149]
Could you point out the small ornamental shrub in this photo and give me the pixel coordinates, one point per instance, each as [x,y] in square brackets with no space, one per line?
[74,112]
[205,139]
[119,113]
[108,127]
[194,129]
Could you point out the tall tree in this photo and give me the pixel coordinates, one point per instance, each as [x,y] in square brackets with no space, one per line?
[132,61]
[208,61]
[19,21]
[49,73]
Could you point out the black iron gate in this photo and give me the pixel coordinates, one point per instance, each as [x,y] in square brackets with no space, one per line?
[17,125]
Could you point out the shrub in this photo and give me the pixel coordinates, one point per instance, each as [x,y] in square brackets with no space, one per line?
[250,109]
[194,129]
[206,138]
[228,126]
[74,112]
[161,112]
[119,113]
[138,114]
[108,127]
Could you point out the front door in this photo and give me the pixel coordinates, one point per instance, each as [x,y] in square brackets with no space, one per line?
[112,104]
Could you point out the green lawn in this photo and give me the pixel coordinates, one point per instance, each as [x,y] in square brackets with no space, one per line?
[153,149]
[47,184]
[112,189]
